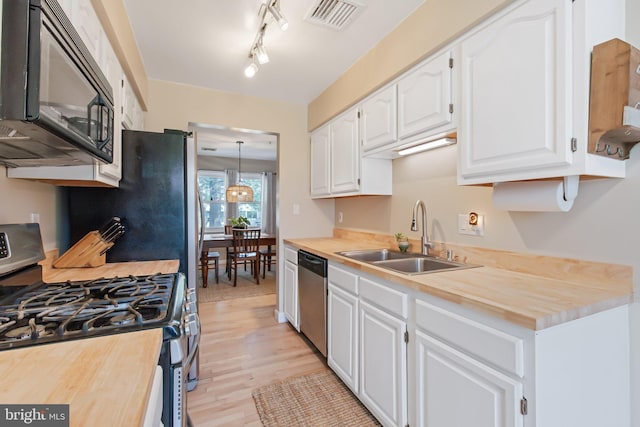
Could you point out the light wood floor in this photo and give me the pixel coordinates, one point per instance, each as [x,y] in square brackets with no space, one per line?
[242,347]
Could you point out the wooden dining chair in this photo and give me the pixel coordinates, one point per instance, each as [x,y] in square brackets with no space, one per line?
[208,259]
[228,230]
[246,246]
[267,258]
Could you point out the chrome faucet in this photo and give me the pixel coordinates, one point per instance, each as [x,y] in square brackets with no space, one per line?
[424,240]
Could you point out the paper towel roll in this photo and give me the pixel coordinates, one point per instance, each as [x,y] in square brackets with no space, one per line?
[531,196]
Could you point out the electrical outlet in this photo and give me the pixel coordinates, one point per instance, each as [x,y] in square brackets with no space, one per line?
[340,217]
[296,209]
[466,224]
[35,217]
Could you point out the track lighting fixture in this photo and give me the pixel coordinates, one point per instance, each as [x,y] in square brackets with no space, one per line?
[258,52]
[252,68]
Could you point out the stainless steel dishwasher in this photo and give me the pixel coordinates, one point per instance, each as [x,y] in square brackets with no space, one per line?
[312,292]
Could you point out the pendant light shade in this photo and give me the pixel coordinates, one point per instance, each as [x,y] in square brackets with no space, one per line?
[239,192]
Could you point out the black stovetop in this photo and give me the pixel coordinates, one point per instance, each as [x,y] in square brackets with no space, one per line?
[52,312]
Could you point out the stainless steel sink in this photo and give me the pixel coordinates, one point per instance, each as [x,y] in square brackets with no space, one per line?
[406,263]
[420,265]
[375,255]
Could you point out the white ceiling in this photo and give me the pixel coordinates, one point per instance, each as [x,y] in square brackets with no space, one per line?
[206,43]
[222,142]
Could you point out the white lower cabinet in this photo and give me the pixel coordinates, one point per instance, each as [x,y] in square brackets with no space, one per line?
[342,325]
[367,349]
[462,367]
[455,390]
[383,367]
[290,294]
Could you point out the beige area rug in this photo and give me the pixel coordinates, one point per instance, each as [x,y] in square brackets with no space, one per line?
[225,290]
[319,399]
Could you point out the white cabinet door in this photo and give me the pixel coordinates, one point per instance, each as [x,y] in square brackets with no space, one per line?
[345,153]
[128,104]
[320,168]
[424,96]
[379,116]
[516,93]
[291,293]
[454,390]
[342,336]
[112,71]
[88,25]
[383,365]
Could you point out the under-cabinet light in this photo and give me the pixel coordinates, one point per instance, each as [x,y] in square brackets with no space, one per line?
[430,145]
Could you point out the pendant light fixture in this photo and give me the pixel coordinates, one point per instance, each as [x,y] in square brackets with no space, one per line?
[239,192]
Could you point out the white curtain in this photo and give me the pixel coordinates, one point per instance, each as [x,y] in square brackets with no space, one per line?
[232,179]
[269,193]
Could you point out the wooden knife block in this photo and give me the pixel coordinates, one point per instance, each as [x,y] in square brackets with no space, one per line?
[87,252]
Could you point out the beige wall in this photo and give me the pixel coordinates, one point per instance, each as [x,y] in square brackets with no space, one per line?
[430,27]
[20,198]
[174,105]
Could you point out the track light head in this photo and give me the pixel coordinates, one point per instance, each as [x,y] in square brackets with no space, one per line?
[282,22]
[251,69]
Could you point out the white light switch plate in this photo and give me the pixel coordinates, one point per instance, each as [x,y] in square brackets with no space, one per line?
[465,228]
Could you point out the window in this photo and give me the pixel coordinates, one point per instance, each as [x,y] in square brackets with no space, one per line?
[213,185]
[252,210]
[212,188]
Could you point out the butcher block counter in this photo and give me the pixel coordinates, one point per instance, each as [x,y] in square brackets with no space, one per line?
[105,380]
[536,292]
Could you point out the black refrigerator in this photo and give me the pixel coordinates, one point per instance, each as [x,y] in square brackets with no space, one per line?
[156,201]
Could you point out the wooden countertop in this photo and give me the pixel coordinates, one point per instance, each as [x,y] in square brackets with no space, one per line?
[105,380]
[533,301]
[117,269]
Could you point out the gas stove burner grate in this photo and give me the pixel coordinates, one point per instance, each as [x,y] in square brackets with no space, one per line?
[58,311]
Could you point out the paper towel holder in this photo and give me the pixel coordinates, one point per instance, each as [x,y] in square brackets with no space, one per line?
[570,187]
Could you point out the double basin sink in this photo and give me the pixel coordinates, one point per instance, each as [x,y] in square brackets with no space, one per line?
[404,262]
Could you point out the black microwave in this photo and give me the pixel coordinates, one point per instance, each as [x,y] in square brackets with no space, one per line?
[56,105]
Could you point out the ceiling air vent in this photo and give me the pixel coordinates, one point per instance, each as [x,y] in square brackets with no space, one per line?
[336,14]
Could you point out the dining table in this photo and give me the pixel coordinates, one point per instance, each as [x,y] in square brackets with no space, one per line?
[211,241]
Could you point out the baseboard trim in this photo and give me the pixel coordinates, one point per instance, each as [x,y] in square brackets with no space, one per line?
[279,315]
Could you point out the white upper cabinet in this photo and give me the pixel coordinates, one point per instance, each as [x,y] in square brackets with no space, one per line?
[337,167]
[378,126]
[132,115]
[521,107]
[86,22]
[112,70]
[418,106]
[425,99]
[320,167]
[516,92]
[345,153]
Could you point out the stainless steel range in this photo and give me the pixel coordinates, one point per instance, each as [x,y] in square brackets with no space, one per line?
[33,312]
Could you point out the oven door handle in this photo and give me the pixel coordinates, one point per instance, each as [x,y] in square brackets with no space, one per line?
[195,344]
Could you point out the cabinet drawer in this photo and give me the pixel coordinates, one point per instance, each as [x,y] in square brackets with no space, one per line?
[390,300]
[291,255]
[343,279]
[494,346]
